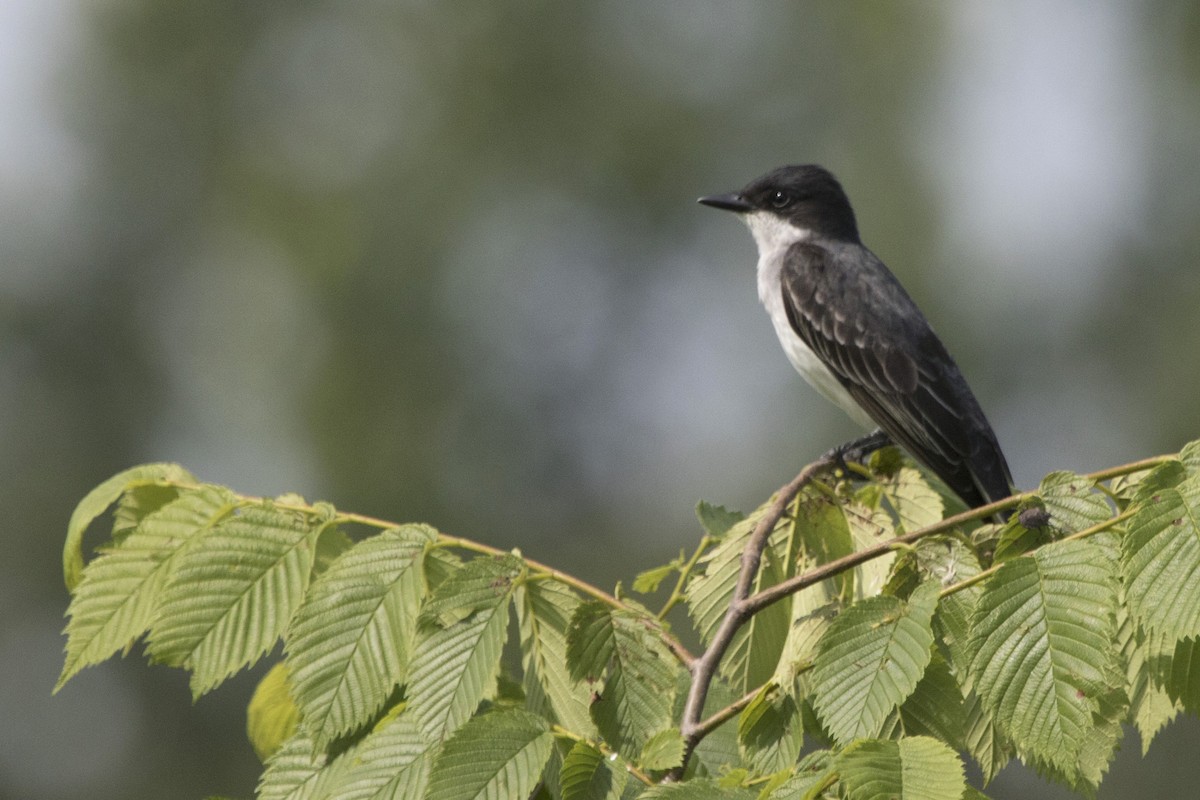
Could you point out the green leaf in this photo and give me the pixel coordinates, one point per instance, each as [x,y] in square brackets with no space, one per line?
[122,590]
[332,542]
[440,565]
[1017,540]
[770,731]
[454,668]
[982,740]
[1160,557]
[639,689]
[480,584]
[913,768]
[97,500]
[1151,710]
[1190,456]
[946,559]
[870,661]
[648,581]
[936,707]
[717,520]
[755,649]
[800,648]
[231,595]
[971,793]
[1044,637]
[701,789]
[1150,706]
[1183,680]
[1101,742]
[349,644]
[664,750]
[815,771]
[916,503]
[869,527]
[139,502]
[590,640]
[587,775]
[544,610]
[1167,475]
[1073,502]
[823,535]
[952,622]
[392,763]
[1169,667]
[298,772]
[496,756]
[272,716]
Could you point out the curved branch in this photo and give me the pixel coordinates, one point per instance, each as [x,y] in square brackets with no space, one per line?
[705,666]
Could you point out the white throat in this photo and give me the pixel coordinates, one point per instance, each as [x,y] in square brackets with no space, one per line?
[774,236]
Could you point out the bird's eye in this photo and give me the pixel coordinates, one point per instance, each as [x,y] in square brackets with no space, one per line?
[781,199]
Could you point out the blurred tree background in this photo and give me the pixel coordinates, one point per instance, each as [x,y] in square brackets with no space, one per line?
[442,262]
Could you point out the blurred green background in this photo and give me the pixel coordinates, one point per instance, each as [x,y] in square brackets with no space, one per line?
[443,262]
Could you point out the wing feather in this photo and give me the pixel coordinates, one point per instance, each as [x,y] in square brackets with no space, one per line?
[852,312]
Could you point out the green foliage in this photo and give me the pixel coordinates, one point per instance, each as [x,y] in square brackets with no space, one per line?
[755,650]
[457,655]
[272,716]
[587,775]
[770,731]
[870,660]
[369,597]
[121,593]
[633,702]
[1043,635]
[911,768]
[544,612]
[419,665]
[494,756]
[128,487]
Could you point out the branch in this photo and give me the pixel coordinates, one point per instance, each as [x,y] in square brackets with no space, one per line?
[725,714]
[704,668]
[789,587]
[783,589]
[743,605]
[685,657]
[682,653]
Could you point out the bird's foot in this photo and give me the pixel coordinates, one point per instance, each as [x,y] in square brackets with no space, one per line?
[857,450]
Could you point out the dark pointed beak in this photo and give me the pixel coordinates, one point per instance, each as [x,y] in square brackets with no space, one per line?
[728,202]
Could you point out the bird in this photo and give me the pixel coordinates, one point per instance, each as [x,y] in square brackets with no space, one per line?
[853,332]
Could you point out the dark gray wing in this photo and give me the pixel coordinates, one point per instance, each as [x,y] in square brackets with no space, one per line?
[846,305]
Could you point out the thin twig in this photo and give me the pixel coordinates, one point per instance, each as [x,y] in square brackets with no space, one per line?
[685,572]
[774,594]
[792,585]
[711,723]
[682,653]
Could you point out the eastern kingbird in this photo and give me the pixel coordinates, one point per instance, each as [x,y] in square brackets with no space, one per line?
[851,330]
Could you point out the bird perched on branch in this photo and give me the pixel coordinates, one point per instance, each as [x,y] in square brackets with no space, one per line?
[851,330]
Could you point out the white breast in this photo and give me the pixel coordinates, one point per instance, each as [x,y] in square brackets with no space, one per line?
[774,236]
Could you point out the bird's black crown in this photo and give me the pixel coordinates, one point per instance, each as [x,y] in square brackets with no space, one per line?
[808,196]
